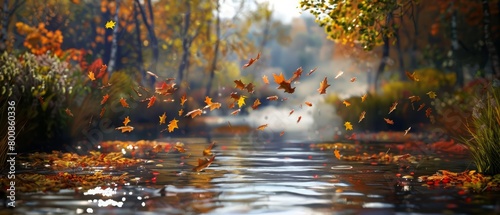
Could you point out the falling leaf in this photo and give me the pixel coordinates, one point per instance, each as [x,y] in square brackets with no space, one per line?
[323,85]
[282,133]
[362,116]
[126,128]
[163,118]
[110,24]
[393,107]
[363,98]
[412,77]
[166,89]
[181,111]
[91,76]
[137,92]
[272,98]
[183,99]
[348,125]
[388,121]
[298,119]
[256,104]
[414,98]
[428,112]
[194,113]
[262,127]
[102,112]
[126,121]
[336,153]
[421,106]
[235,112]
[203,163]
[208,151]
[339,74]
[235,96]
[265,79]
[251,61]
[283,84]
[347,104]
[208,100]
[213,106]
[353,79]
[406,131]
[241,101]
[308,104]
[296,75]
[151,101]
[311,71]
[68,112]
[152,74]
[124,103]
[249,88]
[431,94]
[291,112]
[172,125]
[352,137]
[104,99]
[239,85]
[278,78]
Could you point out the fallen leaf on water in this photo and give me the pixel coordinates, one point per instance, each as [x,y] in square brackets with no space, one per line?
[241,101]
[152,74]
[102,112]
[183,99]
[291,112]
[181,111]
[428,112]
[412,77]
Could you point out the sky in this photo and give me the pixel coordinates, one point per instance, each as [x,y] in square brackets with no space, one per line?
[285,10]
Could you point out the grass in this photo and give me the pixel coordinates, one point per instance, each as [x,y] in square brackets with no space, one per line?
[483,139]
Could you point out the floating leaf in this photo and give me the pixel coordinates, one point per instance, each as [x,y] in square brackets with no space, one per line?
[421,106]
[183,99]
[235,112]
[298,119]
[181,111]
[406,131]
[208,151]
[353,79]
[428,112]
[363,98]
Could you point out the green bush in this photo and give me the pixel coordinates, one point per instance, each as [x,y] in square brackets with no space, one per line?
[43,87]
[483,139]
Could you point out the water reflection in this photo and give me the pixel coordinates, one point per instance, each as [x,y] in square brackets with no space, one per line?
[264,178]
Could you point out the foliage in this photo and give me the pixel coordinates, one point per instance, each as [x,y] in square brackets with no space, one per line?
[484,132]
[45,84]
[39,40]
[356,21]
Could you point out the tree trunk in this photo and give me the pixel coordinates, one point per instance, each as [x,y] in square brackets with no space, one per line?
[455,46]
[140,59]
[152,35]
[5,25]
[216,51]
[385,54]
[114,43]
[490,45]
[185,43]
[402,74]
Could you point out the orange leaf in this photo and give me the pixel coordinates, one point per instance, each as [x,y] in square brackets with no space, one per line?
[363,98]
[124,103]
[353,79]
[104,99]
[296,74]
[203,163]
[235,112]
[282,133]
[126,121]
[68,112]
[183,99]
[421,106]
[163,118]
[124,129]
[208,151]
[272,98]
[194,113]
[91,76]
[291,112]
[311,71]
[239,85]
[256,104]
[180,112]
[278,78]
[265,79]
[347,104]
[213,106]
[172,125]
[412,77]
[249,88]
[151,101]
[336,153]
[428,112]
[102,112]
[208,100]
[322,86]
[388,121]
[298,119]
[308,104]
[414,98]
[393,107]
[262,127]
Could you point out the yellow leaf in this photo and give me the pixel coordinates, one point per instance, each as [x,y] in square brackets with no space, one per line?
[348,126]
[172,125]
[347,104]
[241,101]
[91,76]
[110,24]
[163,118]
[431,94]
[126,121]
[336,153]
